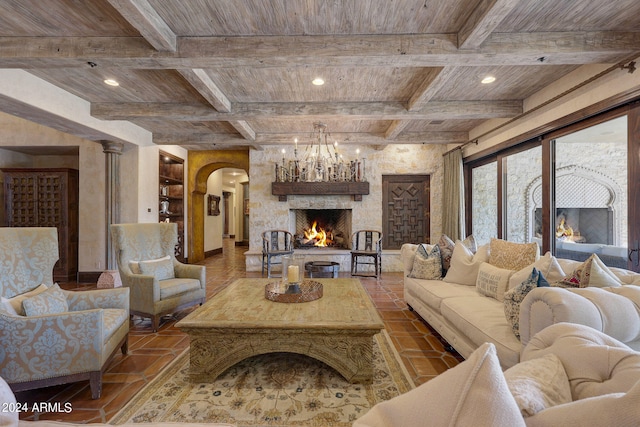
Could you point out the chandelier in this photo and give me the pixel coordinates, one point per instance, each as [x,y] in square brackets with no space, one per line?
[320,162]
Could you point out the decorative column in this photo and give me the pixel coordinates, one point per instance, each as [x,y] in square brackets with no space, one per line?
[111,278]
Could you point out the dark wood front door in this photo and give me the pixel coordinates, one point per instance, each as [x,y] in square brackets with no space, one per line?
[405,210]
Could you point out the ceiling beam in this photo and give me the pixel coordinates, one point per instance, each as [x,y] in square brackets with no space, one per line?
[200,80]
[436,110]
[482,21]
[288,138]
[427,89]
[413,50]
[143,17]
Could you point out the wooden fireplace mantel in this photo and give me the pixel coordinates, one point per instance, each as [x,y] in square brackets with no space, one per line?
[355,189]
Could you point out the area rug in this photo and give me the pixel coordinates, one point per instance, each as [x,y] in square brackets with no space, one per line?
[279,389]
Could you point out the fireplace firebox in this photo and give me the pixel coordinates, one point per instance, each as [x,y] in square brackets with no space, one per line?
[322,228]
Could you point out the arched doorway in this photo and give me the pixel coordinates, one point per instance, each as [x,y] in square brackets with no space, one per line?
[201,165]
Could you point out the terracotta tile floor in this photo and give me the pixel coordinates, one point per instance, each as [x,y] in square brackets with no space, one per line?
[420,348]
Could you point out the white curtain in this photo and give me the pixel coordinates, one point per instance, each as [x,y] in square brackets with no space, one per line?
[453,196]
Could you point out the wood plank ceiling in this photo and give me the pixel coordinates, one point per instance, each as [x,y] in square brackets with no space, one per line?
[220,74]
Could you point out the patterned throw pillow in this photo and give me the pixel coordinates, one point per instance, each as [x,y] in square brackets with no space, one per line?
[513,298]
[14,305]
[446,246]
[427,264]
[593,272]
[51,301]
[512,256]
[161,268]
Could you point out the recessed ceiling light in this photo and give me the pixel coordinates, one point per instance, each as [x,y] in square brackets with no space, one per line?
[111,82]
[317,81]
[488,79]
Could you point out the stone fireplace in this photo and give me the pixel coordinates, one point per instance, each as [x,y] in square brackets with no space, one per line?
[267,211]
[324,228]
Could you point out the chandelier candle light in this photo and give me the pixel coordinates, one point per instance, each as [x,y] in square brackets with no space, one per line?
[321,162]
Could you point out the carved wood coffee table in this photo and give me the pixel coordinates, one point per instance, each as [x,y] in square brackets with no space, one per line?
[239,322]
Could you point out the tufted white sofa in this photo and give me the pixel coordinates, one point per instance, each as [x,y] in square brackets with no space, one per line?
[570,375]
[466,319]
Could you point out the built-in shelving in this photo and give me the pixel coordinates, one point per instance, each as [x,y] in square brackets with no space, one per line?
[171,195]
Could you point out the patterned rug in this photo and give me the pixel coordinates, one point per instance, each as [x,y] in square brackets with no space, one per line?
[279,389]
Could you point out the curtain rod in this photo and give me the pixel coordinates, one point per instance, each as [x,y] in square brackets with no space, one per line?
[461,146]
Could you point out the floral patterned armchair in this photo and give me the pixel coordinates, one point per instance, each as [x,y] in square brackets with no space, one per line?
[159,283]
[64,336]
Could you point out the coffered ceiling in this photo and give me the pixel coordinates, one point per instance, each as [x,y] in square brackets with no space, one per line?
[221,74]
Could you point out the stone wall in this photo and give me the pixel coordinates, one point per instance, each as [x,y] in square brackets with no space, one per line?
[269,213]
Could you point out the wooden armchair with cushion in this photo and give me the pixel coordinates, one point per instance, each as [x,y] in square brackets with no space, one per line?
[159,283]
[50,336]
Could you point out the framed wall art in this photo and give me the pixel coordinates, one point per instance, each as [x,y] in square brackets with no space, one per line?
[213,204]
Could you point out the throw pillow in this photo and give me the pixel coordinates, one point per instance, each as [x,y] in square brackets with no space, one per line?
[592,272]
[446,246]
[538,384]
[474,393]
[51,301]
[513,298]
[614,409]
[547,265]
[161,268]
[9,415]
[465,265]
[512,256]
[16,302]
[427,263]
[493,281]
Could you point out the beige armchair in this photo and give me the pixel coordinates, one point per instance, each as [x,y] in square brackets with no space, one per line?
[52,336]
[159,283]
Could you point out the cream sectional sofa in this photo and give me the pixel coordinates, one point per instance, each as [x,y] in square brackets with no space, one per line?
[466,319]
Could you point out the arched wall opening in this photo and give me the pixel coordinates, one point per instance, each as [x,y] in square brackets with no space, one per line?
[201,165]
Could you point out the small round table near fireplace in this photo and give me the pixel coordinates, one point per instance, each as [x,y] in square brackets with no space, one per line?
[321,269]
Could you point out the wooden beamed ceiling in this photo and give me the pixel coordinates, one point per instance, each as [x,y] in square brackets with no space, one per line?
[202,73]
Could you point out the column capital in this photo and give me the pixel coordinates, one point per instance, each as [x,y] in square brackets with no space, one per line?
[112,147]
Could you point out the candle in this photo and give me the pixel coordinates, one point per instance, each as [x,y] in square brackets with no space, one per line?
[292,273]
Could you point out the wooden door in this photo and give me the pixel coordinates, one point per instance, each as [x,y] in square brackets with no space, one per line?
[406,210]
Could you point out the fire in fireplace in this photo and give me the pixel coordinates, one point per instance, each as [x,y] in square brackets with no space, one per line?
[322,228]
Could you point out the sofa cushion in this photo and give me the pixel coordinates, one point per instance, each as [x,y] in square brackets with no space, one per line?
[432,292]
[465,265]
[511,255]
[172,287]
[482,320]
[538,384]
[493,281]
[427,263]
[51,301]
[161,268]
[474,393]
